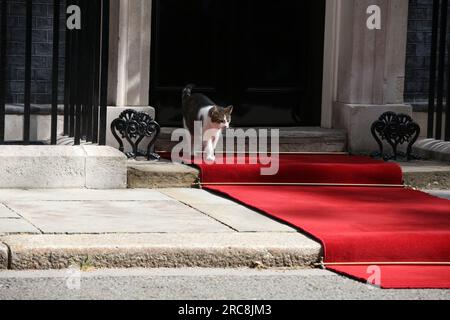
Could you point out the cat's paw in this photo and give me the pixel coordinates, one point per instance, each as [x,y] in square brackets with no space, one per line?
[211,158]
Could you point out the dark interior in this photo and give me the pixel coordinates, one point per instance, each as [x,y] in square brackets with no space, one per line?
[262,56]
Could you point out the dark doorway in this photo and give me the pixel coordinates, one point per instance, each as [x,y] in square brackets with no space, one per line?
[262,56]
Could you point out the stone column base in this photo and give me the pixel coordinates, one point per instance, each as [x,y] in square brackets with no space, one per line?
[357,119]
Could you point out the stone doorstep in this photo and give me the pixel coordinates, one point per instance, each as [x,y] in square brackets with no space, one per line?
[298,139]
[417,174]
[236,250]
[49,167]
[163,174]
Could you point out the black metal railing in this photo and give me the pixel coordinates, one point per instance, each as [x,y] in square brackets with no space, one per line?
[439,67]
[85,72]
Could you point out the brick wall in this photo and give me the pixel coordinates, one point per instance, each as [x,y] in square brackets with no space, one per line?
[41,51]
[418,50]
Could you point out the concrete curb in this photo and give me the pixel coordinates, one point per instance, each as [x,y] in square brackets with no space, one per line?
[271,250]
[4,257]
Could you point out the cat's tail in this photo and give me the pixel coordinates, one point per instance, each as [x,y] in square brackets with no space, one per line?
[187,91]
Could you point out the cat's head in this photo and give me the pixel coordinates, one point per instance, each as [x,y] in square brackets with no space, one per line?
[221,116]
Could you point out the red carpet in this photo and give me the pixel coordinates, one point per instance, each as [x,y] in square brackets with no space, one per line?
[363,224]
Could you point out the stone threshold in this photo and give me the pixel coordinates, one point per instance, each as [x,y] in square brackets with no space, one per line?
[292,139]
[164,174]
[160,174]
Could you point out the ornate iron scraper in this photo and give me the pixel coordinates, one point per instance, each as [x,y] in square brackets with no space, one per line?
[134,126]
[396,130]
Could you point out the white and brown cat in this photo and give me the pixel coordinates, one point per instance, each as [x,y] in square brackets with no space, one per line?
[214,119]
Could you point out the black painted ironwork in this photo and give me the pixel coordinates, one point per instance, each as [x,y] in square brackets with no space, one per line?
[67,88]
[85,72]
[433,64]
[87,79]
[55,71]
[3,36]
[134,127]
[28,57]
[396,130]
[441,68]
[439,44]
[104,70]
[96,49]
[447,113]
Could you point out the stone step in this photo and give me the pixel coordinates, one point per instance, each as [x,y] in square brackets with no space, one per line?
[293,139]
[49,167]
[160,174]
[142,174]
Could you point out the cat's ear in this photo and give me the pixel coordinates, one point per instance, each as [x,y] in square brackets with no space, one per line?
[229,109]
[213,111]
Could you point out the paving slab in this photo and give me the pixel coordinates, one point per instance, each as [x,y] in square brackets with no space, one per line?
[444,194]
[236,216]
[144,228]
[81,195]
[195,196]
[7,213]
[16,226]
[115,217]
[223,250]
[241,218]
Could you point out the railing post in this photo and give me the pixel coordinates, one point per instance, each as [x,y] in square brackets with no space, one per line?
[96,70]
[89,68]
[104,71]
[28,53]
[433,65]
[4,34]
[447,111]
[441,69]
[55,70]
[67,74]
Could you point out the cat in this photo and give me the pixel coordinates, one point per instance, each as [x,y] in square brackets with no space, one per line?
[215,119]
